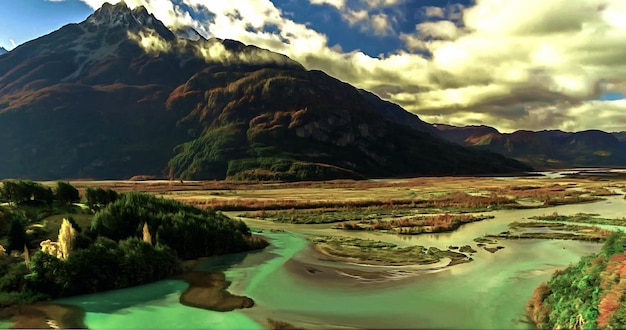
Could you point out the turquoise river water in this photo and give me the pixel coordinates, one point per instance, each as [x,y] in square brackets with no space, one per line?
[487,293]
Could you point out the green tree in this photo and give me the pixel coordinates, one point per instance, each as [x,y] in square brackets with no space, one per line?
[16,235]
[65,193]
[43,194]
[98,197]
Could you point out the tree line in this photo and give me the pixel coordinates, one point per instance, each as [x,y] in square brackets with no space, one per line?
[137,237]
[19,192]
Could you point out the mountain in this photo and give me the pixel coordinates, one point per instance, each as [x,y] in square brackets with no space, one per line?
[120,95]
[620,136]
[545,149]
[3,50]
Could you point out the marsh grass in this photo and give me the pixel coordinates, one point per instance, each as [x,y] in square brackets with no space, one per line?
[415,225]
[550,230]
[581,218]
[382,253]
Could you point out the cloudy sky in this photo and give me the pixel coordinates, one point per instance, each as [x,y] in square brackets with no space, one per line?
[511,64]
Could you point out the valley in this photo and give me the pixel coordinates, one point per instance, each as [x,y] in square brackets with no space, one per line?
[316,275]
[158,174]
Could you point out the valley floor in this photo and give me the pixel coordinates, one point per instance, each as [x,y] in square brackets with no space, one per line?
[389,231]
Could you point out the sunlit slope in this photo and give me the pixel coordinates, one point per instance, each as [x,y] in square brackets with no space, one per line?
[120,95]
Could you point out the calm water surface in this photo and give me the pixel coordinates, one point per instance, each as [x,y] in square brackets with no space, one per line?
[489,292]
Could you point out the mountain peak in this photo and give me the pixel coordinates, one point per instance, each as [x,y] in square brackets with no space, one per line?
[3,50]
[133,20]
[121,15]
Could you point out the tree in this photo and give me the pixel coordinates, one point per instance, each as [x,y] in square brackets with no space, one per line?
[65,193]
[74,224]
[16,235]
[97,197]
[43,194]
[146,234]
[66,239]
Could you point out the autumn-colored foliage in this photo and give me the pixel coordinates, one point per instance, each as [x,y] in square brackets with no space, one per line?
[535,307]
[588,295]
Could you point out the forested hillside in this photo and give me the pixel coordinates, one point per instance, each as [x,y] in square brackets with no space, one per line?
[589,295]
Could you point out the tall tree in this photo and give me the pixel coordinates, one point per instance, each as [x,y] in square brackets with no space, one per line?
[146,233]
[66,239]
[16,235]
[65,193]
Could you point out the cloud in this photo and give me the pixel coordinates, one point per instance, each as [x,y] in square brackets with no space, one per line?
[510,64]
[13,44]
[381,24]
[367,14]
[444,29]
[151,42]
[382,3]
[355,16]
[339,4]
[434,12]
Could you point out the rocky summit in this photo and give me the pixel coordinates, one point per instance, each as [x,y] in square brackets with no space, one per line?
[120,95]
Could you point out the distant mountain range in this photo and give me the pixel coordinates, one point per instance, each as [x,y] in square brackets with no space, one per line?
[3,50]
[120,95]
[544,149]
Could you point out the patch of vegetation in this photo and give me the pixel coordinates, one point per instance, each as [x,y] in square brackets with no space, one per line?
[589,295]
[190,231]
[99,197]
[415,225]
[328,215]
[581,218]
[382,253]
[302,211]
[137,239]
[555,230]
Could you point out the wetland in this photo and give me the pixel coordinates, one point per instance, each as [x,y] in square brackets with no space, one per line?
[483,247]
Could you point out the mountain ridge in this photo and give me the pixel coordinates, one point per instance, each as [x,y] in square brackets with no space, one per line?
[120,95]
[544,148]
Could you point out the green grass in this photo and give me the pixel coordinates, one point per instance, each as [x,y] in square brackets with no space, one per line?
[382,253]
[552,230]
[582,218]
[52,224]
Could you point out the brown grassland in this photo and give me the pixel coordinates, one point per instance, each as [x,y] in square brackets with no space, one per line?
[430,192]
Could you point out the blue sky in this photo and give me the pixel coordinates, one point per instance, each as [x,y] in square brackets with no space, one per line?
[24,20]
[514,64]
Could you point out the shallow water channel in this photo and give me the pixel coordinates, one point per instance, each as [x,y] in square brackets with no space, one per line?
[489,292]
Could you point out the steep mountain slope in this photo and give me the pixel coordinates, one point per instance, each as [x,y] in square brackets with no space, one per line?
[120,95]
[551,148]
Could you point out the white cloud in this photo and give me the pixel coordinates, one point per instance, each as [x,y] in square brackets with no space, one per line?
[434,12]
[439,30]
[13,44]
[355,16]
[381,24]
[339,4]
[382,3]
[510,64]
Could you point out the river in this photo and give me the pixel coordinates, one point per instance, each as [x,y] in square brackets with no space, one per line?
[487,293]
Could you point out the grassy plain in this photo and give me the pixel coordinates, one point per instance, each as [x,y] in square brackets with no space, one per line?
[392,206]
[436,193]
